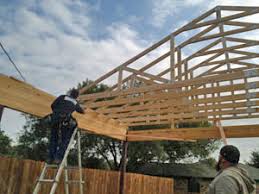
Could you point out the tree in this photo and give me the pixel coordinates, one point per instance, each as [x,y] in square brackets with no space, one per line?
[5,144]
[254,159]
[200,149]
[33,140]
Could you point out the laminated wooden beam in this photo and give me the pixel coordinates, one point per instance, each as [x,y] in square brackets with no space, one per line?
[23,97]
[194,133]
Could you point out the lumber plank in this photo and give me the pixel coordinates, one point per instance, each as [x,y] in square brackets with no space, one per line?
[24,97]
[196,133]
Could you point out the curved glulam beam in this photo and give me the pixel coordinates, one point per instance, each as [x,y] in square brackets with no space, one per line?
[23,97]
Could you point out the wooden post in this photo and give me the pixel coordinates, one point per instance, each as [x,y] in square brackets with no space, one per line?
[123,166]
[224,44]
[172,59]
[120,79]
[179,64]
[222,132]
[1,112]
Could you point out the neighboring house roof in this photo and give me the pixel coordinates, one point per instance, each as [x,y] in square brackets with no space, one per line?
[198,170]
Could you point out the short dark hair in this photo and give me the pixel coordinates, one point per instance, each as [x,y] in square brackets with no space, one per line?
[74,93]
[230,153]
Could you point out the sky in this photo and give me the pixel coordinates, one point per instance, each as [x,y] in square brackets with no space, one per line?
[58,44]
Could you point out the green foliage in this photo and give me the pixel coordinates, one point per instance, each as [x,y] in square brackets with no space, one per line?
[170,151]
[254,159]
[5,144]
[33,140]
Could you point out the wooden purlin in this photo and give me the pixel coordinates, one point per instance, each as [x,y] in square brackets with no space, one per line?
[155,106]
[183,108]
[161,87]
[23,97]
[184,111]
[187,112]
[176,85]
[193,133]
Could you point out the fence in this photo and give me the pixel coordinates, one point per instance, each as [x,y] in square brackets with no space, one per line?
[19,177]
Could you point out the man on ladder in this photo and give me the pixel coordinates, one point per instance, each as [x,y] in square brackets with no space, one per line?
[62,122]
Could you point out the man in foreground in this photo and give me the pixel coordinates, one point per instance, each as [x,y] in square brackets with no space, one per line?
[62,122]
[231,179]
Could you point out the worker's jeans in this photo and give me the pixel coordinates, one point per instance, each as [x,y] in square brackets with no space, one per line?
[57,146]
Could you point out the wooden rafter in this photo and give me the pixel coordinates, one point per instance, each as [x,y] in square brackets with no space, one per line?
[23,97]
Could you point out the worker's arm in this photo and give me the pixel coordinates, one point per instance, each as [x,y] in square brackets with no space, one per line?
[79,109]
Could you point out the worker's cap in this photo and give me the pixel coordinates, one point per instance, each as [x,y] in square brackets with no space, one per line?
[230,153]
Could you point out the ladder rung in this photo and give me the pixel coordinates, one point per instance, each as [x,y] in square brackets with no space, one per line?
[71,167]
[75,181]
[47,180]
[52,165]
[57,166]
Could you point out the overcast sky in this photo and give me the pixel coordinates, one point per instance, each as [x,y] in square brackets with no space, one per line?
[58,44]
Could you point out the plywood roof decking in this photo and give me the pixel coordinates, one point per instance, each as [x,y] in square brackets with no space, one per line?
[23,97]
[209,71]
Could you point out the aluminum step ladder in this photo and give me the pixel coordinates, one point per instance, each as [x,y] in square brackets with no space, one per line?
[63,166]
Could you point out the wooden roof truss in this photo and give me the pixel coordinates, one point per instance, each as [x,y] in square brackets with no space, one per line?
[218,80]
[206,70]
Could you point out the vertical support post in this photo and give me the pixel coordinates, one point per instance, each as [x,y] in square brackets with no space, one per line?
[223,40]
[1,112]
[132,81]
[172,59]
[123,166]
[172,124]
[186,69]
[222,132]
[179,64]
[79,161]
[120,79]
[224,45]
